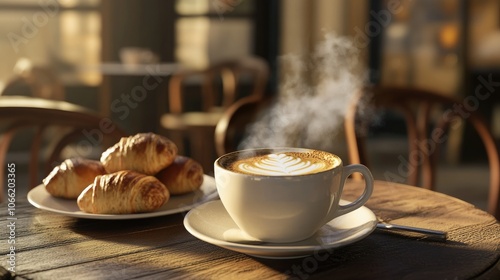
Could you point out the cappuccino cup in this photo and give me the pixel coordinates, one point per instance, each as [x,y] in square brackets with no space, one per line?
[283,195]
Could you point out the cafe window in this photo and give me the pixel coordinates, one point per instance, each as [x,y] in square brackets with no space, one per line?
[421,44]
[209,31]
[62,34]
[433,44]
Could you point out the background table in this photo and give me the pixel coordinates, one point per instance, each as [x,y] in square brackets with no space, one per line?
[51,246]
[132,94]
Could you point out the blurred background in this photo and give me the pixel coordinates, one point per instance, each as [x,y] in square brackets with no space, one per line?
[451,46]
[443,45]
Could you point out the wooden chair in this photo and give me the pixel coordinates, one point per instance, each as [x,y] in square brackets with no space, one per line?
[28,120]
[428,116]
[232,126]
[192,129]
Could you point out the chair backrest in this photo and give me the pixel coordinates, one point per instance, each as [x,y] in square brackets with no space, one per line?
[231,128]
[227,77]
[428,116]
[54,126]
[35,81]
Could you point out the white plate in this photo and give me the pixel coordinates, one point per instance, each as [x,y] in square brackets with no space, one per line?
[210,221]
[40,198]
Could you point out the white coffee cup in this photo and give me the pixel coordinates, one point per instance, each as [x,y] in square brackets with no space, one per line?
[293,199]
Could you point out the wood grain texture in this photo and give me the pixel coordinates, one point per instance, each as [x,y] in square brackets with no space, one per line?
[51,246]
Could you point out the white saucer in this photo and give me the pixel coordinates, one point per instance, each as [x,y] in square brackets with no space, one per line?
[210,221]
[40,198]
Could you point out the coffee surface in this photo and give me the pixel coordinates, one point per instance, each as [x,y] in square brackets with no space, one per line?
[285,163]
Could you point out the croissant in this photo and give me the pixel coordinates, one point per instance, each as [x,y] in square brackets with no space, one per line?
[184,175]
[72,176]
[123,192]
[146,153]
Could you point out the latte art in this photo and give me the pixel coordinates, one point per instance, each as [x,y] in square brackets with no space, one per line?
[281,164]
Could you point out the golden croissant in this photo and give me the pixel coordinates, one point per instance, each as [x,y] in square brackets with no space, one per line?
[123,192]
[184,175]
[72,176]
[147,153]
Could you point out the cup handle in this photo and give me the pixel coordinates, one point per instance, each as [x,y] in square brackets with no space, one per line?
[361,200]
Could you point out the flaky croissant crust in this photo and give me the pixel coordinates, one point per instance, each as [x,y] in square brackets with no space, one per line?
[184,175]
[72,176]
[147,153]
[123,192]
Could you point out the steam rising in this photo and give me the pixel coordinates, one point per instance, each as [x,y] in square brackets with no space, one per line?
[315,94]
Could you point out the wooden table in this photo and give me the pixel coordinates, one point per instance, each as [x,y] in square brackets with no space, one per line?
[51,246]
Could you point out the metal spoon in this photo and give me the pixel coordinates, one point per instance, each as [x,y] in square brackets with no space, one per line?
[430,233]
[238,236]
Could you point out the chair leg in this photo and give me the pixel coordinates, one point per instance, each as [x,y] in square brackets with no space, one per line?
[199,140]
[5,140]
[35,151]
[494,163]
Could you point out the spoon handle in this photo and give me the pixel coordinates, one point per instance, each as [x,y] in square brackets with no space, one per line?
[434,234]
